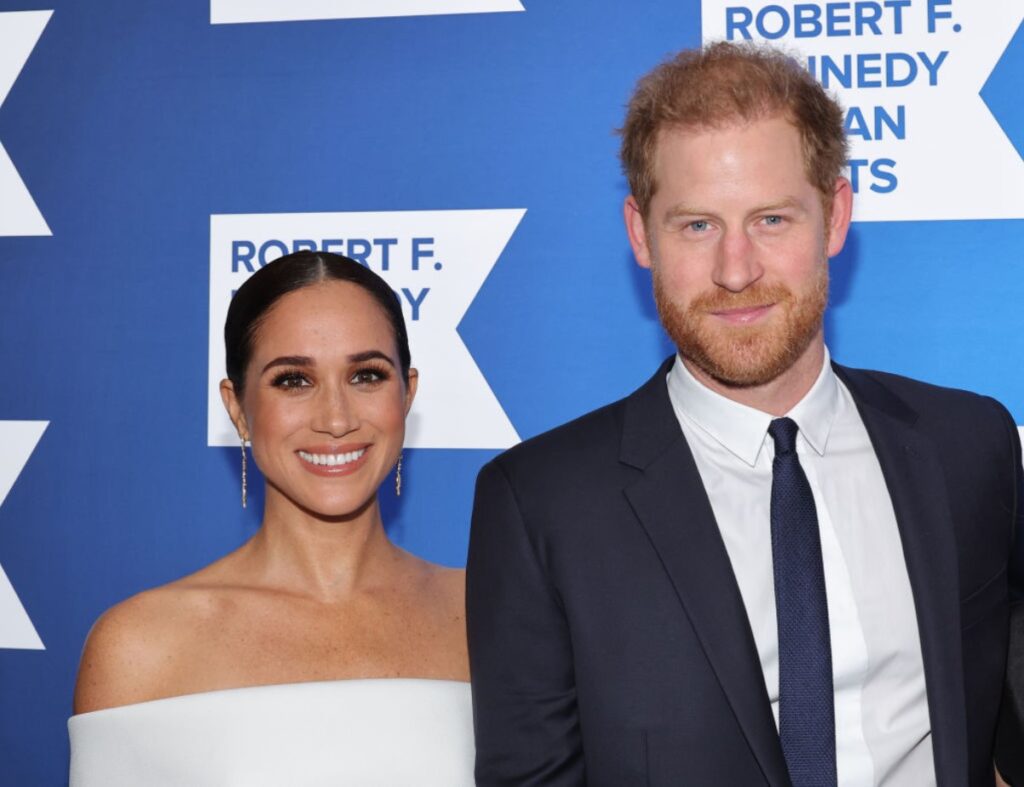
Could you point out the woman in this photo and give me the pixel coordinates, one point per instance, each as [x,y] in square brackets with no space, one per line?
[265,667]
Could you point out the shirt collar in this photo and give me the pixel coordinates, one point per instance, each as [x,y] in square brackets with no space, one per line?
[740,429]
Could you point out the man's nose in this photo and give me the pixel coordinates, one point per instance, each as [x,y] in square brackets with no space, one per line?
[736,263]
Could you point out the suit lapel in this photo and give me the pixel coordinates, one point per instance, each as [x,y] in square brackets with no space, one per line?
[917,488]
[670,501]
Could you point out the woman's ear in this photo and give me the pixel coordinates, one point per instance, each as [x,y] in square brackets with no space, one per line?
[234,408]
[410,389]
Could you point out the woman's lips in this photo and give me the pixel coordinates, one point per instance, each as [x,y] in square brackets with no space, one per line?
[333,461]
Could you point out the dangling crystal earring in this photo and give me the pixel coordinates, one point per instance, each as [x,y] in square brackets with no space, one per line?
[398,477]
[244,479]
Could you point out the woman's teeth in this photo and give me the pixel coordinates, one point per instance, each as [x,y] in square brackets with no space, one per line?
[332,460]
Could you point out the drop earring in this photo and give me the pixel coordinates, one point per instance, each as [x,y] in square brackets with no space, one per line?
[398,477]
[245,483]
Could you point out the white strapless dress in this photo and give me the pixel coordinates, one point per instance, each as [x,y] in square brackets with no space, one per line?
[347,732]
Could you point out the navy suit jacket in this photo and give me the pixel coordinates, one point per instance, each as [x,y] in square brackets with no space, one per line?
[609,644]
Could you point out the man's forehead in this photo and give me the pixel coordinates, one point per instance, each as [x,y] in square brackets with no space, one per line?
[769,145]
[724,125]
[720,170]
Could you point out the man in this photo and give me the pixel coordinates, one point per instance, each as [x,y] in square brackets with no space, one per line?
[761,567]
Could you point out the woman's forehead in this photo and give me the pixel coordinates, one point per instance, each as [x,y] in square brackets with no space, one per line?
[333,318]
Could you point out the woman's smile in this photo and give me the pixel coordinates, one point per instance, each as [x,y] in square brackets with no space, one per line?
[327,461]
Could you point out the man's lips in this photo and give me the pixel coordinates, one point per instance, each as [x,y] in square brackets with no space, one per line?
[743,315]
[328,460]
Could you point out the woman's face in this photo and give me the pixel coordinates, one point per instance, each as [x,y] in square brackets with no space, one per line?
[324,402]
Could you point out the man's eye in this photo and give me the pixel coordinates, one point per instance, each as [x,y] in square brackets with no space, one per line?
[698,226]
[773,221]
[291,380]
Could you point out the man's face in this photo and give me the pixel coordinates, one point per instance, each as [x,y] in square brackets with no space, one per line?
[738,247]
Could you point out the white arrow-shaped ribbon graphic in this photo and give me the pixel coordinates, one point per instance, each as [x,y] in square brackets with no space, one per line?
[235,11]
[435,260]
[18,439]
[19,32]
[953,160]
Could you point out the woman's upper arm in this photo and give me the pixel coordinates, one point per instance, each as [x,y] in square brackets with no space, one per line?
[121,661]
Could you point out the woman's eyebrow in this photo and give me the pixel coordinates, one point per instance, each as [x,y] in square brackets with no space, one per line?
[289,360]
[306,361]
[369,355]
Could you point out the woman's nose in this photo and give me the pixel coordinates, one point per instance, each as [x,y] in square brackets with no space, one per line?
[335,414]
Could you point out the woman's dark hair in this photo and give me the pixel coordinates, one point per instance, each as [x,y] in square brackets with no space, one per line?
[290,273]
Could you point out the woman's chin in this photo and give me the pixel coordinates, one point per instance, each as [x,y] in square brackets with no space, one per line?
[339,509]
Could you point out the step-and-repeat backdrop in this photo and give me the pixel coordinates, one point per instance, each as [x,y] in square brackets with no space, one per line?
[154,154]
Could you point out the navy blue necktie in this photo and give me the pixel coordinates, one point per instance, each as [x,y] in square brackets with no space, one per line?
[807,726]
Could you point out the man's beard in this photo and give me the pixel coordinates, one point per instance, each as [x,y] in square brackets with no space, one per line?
[744,355]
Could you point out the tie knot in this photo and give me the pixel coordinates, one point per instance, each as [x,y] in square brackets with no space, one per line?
[783,432]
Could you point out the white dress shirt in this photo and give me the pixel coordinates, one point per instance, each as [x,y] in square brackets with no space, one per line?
[883,733]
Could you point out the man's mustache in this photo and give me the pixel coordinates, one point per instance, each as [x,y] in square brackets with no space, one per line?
[756,295]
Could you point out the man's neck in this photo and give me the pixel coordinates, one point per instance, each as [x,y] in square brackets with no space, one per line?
[776,397]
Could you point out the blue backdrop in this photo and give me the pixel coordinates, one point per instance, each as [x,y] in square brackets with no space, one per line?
[132,122]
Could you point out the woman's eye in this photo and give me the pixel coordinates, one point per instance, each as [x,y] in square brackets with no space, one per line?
[365,376]
[290,380]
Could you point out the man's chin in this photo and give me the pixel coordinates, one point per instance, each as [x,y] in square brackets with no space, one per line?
[740,361]
[743,356]
[737,375]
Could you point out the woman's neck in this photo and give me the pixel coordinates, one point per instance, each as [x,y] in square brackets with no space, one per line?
[327,559]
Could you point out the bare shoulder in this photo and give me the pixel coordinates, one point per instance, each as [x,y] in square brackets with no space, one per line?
[437,584]
[443,599]
[451,584]
[446,590]
[134,649]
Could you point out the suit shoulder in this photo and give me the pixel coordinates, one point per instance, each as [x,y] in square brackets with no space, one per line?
[927,396]
[952,416]
[592,435]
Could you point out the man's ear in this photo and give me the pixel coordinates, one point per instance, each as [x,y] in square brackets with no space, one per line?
[842,214]
[637,232]
[234,408]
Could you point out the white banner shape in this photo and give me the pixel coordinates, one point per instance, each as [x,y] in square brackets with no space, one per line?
[19,32]
[18,439]
[237,11]
[436,261]
[923,144]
